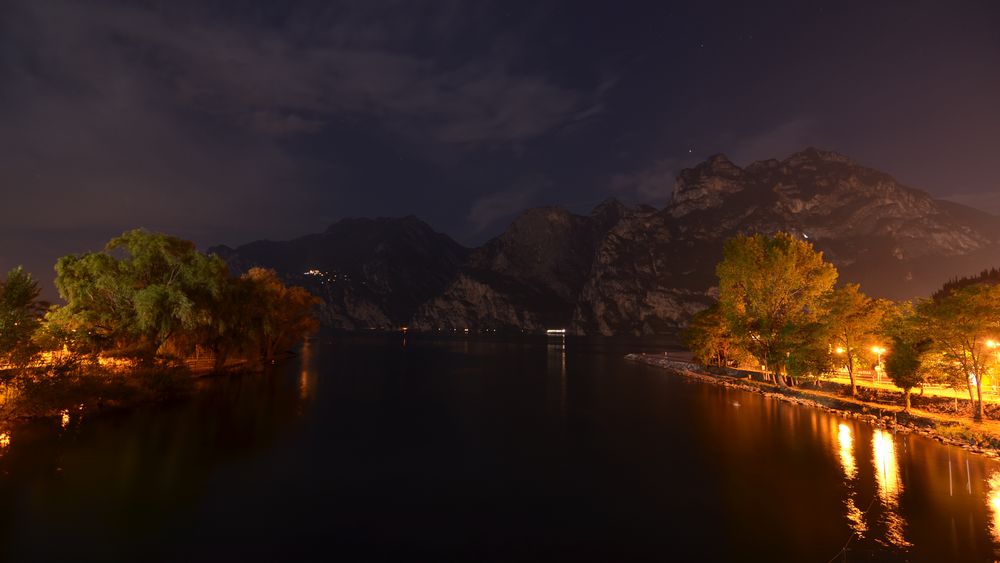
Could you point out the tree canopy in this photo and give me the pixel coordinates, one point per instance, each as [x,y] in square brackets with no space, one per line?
[768,286]
[961,324]
[854,321]
[140,291]
[148,293]
[20,316]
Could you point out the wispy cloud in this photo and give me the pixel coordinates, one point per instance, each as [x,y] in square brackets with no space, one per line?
[774,142]
[651,185]
[487,211]
[197,118]
[983,201]
[320,65]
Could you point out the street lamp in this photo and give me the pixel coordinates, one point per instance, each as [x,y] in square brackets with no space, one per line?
[878,361]
[839,350]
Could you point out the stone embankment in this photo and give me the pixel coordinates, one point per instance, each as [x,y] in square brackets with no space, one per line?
[947,429]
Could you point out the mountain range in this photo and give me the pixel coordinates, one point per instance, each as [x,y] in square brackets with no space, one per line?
[632,270]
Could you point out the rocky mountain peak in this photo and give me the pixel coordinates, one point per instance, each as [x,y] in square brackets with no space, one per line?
[634,270]
[608,213]
[706,185]
[812,155]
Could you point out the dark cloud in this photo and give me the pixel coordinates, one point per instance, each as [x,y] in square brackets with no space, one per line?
[225,122]
[652,185]
[197,121]
[491,209]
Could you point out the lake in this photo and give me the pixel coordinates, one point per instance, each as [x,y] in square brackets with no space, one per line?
[382,448]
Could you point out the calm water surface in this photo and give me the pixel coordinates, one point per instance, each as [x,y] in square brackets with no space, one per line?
[364,449]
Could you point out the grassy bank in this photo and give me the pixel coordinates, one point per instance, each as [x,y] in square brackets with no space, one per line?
[934,417]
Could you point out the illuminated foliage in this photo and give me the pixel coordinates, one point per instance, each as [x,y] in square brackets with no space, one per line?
[808,351]
[143,289]
[707,336]
[769,286]
[281,315]
[961,324]
[20,313]
[149,294]
[904,366]
[853,320]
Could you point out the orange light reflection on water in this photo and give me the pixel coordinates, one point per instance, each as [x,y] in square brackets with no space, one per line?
[845,441]
[993,500]
[889,485]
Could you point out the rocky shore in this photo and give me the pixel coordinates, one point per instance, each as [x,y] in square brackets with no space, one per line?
[947,429]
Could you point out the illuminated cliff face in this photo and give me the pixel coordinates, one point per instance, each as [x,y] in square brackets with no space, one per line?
[827,197]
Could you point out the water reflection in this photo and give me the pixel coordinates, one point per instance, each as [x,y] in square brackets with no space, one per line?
[845,440]
[889,485]
[305,372]
[557,363]
[993,501]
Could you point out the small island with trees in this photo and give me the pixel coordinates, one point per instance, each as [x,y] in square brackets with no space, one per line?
[140,318]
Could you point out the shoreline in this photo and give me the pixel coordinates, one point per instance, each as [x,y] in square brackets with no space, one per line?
[128,395]
[980,441]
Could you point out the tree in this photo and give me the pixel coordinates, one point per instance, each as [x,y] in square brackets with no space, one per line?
[20,315]
[141,291]
[853,320]
[961,323]
[808,352]
[280,315]
[904,365]
[708,338]
[768,285]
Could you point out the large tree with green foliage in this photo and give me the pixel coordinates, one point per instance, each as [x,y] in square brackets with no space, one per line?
[904,365]
[853,320]
[20,314]
[142,290]
[808,352]
[768,286]
[961,323]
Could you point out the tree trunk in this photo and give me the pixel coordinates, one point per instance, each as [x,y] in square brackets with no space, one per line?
[780,379]
[854,386]
[906,399]
[979,394]
[972,397]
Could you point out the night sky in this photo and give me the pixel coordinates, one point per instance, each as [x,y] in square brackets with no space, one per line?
[230,122]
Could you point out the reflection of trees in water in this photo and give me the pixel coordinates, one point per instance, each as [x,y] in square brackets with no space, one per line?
[134,470]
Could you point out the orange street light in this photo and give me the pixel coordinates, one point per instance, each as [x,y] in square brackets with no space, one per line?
[840,350]
[878,361]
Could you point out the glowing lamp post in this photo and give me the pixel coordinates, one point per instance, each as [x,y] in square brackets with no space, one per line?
[878,350]
[840,352]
